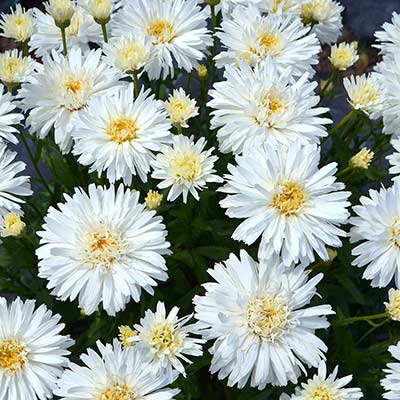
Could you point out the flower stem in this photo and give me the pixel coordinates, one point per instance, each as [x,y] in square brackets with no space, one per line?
[104,30]
[179,129]
[347,321]
[136,83]
[25,49]
[376,326]
[64,41]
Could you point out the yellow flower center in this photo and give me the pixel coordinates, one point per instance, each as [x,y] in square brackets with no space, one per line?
[395,234]
[13,355]
[289,198]
[267,317]
[161,32]
[11,68]
[122,129]
[102,248]
[131,55]
[76,93]
[153,200]
[118,392]
[125,333]
[365,95]
[163,339]
[12,225]
[269,40]
[321,393]
[186,166]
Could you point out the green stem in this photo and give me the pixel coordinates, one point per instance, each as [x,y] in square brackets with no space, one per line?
[372,330]
[104,30]
[179,129]
[25,49]
[136,83]
[343,172]
[347,321]
[327,83]
[64,41]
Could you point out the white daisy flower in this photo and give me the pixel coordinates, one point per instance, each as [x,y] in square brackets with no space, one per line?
[295,207]
[365,94]
[323,386]
[377,227]
[394,159]
[252,36]
[11,225]
[344,55]
[389,38]
[12,185]
[255,312]
[100,10]
[8,118]
[114,374]
[127,54]
[61,89]
[257,106]
[104,247]
[15,68]
[18,24]
[32,350]
[185,167]
[165,338]
[61,10]
[324,17]
[391,383]
[180,108]
[119,134]
[287,7]
[80,33]
[177,29]
[388,74]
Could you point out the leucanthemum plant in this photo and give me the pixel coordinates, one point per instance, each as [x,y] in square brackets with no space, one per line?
[191,193]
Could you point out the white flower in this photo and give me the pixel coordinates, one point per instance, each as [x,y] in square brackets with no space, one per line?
[100,10]
[165,338]
[322,386]
[180,108]
[377,226]
[227,6]
[18,25]
[391,383]
[114,374]
[365,94]
[289,7]
[61,89]
[324,16]
[104,247]
[61,11]
[393,306]
[362,159]
[177,29]
[257,106]
[11,225]
[32,350]
[286,199]
[8,118]
[119,134]
[344,55]
[389,79]
[15,68]
[185,167]
[12,185]
[394,159]
[127,54]
[256,314]
[80,33]
[252,36]
[389,38]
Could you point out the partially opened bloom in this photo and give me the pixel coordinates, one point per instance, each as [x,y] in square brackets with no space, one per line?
[47,37]
[15,68]
[324,17]
[323,386]
[393,305]
[8,118]
[377,226]
[365,94]
[32,350]
[12,185]
[287,200]
[260,105]
[119,134]
[185,167]
[257,315]
[100,10]
[61,90]
[391,382]
[18,24]
[102,247]
[177,29]
[251,36]
[167,339]
[344,55]
[389,38]
[114,374]
[61,11]
[11,225]
[362,160]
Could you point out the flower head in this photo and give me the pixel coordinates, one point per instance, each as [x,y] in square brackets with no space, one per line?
[389,38]
[362,159]
[256,314]
[185,167]
[293,205]
[62,11]
[32,350]
[18,24]
[12,225]
[344,55]
[180,108]
[100,10]
[15,68]
[153,200]
[393,306]
[104,247]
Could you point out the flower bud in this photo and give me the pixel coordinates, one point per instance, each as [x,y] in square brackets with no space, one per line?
[62,12]
[12,225]
[362,159]
[153,200]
